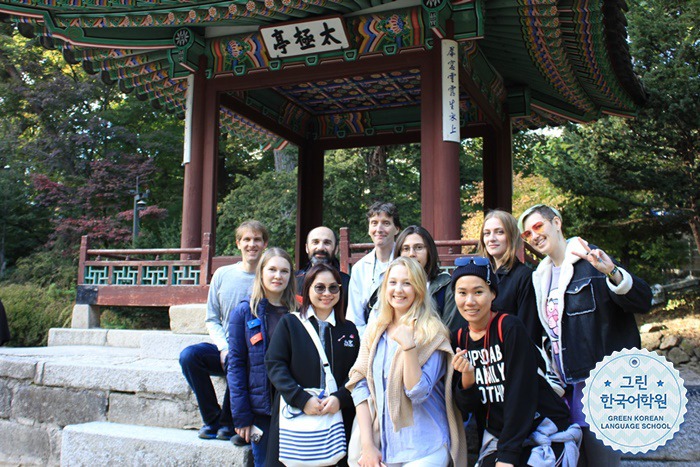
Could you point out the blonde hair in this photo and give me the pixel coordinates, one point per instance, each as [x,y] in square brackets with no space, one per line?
[428,323]
[510,226]
[288,298]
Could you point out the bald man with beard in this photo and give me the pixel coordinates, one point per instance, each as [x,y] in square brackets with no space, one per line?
[322,246]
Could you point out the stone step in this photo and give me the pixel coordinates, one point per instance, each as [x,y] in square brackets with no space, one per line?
[162,345]
[113,444]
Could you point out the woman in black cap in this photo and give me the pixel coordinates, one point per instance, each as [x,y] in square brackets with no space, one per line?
[501,379]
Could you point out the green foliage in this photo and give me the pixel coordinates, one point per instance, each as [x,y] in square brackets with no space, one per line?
[270,198]
[134,318]
[34,309]
[45,268]
[348,191]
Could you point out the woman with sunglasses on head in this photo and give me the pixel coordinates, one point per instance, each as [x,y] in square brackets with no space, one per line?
[417,243]
[402,380]
[586,302]
[251,325]
[499,376]
[293,361]
[499,242]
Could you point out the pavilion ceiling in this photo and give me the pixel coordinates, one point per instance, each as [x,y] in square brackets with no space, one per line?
[539,62]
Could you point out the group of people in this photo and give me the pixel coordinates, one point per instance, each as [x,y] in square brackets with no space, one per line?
[406,353]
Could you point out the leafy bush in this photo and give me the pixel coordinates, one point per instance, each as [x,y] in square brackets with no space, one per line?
[47,267]
[32,310]
[135,318]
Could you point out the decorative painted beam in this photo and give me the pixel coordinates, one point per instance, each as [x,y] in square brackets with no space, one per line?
[260,119]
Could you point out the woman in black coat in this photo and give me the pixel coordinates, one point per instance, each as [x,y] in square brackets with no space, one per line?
[292,359]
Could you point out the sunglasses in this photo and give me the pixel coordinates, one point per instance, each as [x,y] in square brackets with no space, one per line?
[537,228]
[321,289]
[476,261]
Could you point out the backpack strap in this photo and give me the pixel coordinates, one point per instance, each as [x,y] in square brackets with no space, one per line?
[459,337]
[500,326]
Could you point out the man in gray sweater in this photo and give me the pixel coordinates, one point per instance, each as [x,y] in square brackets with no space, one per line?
[229,285]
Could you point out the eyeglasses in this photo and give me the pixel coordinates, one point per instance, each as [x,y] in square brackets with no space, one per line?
[537,228]
[476,261]
[416,248]
[321,289]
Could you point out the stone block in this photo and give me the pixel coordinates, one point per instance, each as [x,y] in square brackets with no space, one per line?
[58,406]
[151,376]
[677,356]
[139,409]
[651,327]
[669,341]
[168,345]
[65,336]
[126,337]
[687,347]
[85,317]
[17,367]
[5,398]
[117,445]
[188,319]
[23,445]
[651,340]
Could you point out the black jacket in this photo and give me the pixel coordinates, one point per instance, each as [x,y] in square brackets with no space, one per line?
[596,318]
[293,364]
[517,297]
[516,398]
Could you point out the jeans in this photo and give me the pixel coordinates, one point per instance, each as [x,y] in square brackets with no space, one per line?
[260,449]
[199,362]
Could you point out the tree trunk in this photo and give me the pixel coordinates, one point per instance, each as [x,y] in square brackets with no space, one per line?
[375,160]
[284,161]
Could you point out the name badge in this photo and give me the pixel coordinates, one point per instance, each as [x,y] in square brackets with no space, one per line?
[253,323]
[256,338]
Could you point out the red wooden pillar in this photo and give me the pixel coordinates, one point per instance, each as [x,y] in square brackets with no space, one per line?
[191,235]
[440,206]
[498,168]
[309,196]
[210,166]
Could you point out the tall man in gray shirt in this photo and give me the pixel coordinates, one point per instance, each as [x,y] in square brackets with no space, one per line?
[229,285]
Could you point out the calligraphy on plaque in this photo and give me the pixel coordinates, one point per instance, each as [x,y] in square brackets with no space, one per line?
[303,38]
[450,91]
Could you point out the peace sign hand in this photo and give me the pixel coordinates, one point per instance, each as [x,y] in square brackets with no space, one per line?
[597,258]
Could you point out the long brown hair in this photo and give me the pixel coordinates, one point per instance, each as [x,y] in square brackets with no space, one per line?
[510,226]
[432,269]
[288,298]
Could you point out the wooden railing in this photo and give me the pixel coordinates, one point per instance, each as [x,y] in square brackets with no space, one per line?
[141,277]
[449,250]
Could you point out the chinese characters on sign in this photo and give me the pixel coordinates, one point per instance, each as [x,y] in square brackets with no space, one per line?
[450,91]
[291,40]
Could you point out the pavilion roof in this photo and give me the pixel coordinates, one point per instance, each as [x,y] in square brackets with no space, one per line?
[541,62]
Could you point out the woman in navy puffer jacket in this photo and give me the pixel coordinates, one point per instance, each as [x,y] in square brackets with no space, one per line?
[251,324]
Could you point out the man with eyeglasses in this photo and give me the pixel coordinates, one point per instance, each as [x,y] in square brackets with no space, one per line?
[322,247]
[367,274]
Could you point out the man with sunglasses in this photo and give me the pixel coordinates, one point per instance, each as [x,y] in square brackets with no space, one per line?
[585,301]
[322,247]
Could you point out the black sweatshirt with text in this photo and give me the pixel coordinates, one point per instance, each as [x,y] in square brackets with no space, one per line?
[509,397]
